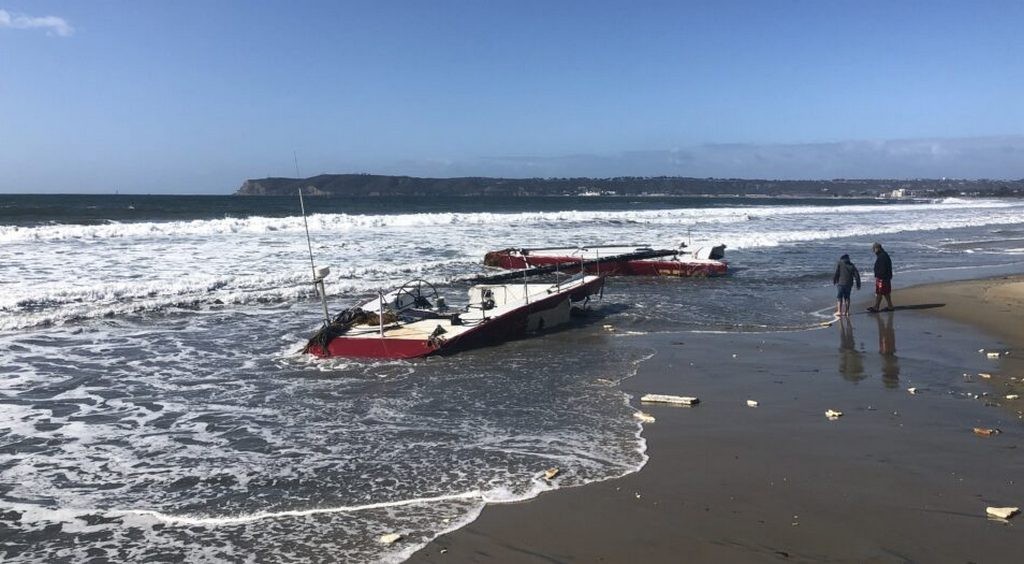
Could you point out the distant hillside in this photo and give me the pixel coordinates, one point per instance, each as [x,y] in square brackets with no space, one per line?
[349,185]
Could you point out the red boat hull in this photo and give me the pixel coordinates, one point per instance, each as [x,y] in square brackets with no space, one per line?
[511,325]
[374,348]
[680,268]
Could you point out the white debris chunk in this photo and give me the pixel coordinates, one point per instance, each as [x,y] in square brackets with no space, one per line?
[1002,512]
[833,414]
[913,390]
[992,355]
[1012,396]
[752,403]
[550,473]
[644,417]
[665,398]
[390,538]
[985,375]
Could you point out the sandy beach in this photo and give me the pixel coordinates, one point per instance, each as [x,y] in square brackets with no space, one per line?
[899,477]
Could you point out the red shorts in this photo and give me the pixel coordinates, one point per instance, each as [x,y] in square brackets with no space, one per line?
[883,287]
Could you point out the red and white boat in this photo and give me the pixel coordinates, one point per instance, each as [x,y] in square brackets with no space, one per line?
[616,260]
[413,321]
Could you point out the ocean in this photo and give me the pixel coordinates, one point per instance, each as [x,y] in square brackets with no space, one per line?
[154,405]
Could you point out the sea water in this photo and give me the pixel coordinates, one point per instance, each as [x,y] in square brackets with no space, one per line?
[154,405]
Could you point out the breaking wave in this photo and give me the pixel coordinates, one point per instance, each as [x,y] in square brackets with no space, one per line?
[59,273]
[340,223]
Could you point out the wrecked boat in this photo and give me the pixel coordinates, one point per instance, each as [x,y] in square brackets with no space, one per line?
[415,321]
[617,260]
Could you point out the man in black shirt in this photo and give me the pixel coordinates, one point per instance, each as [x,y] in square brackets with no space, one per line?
[883,278]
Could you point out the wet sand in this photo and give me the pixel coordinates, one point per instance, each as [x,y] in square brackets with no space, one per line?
[900,477]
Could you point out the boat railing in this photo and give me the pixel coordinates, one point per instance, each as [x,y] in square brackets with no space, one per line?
[640,247]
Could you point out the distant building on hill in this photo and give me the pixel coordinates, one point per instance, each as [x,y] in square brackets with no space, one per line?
[903,193]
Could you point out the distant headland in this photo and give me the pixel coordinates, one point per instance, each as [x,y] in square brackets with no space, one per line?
[355,185]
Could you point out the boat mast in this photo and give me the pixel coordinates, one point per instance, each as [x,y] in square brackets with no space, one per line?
[318,277]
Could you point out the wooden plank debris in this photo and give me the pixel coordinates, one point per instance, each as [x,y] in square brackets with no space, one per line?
[665,398]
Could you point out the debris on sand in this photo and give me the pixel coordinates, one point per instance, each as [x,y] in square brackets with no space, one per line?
[1002,512]
[550,473]
[833,414]
[913,390]
[665,398]
[992,355]
[985,432]
[752,403]
[1012,396]
[390,538]
[643,416]
[984,375]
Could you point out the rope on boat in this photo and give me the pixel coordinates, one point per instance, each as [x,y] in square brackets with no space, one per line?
[342,323]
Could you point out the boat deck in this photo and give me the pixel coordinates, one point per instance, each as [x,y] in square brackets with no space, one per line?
[507,298]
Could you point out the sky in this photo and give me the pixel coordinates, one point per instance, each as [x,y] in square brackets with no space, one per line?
[197,96]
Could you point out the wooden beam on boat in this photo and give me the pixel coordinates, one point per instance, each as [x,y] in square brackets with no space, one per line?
[548,269]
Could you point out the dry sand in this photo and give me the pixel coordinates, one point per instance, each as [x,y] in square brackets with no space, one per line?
[995,305]
[899,477]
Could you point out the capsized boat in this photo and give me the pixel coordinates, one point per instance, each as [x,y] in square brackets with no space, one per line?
[414,321]
[617,260]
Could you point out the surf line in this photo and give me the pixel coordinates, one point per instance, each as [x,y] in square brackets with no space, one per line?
[241,519]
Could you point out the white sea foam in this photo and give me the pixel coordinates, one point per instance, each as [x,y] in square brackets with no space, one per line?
[342,223]
[114,270]
[164,448]
[192,520]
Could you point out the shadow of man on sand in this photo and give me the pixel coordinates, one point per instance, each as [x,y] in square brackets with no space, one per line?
[917,306]
[851,361]
[887,349]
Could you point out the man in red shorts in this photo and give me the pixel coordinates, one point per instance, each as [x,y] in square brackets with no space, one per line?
[883,278]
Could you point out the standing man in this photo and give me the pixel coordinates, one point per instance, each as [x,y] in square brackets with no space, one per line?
[845,276]
[883,278]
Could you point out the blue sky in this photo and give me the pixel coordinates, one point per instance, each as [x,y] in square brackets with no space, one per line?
[194,97]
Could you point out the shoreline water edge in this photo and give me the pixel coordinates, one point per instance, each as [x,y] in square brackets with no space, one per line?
[757,473]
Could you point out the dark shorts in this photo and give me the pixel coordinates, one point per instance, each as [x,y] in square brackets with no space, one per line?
[883,287]
[843,292]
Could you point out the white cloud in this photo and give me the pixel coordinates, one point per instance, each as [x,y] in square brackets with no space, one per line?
[52,24]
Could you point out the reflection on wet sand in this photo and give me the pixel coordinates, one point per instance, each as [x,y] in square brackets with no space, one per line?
[851,361]
[887,349]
